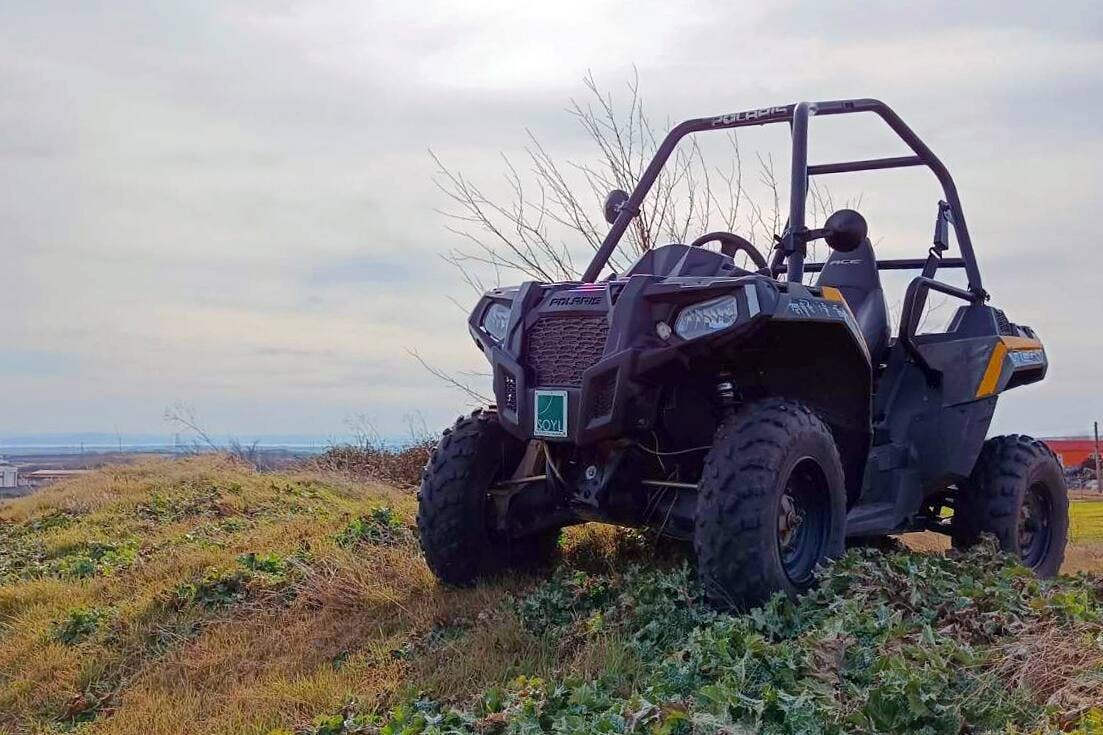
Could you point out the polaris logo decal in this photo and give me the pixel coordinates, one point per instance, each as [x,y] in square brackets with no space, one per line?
[748,115]
[568,300]
[551,414]
[854,261]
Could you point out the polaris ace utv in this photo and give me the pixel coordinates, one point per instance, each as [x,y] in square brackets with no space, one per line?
[767,420]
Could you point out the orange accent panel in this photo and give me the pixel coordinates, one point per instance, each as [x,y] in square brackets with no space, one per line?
[991,378]
[1021,343]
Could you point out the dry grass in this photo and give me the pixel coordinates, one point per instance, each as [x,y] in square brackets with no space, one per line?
[364,623]
[152,668]
[1053,663]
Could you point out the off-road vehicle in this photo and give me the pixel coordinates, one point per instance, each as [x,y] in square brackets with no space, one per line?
[766,419]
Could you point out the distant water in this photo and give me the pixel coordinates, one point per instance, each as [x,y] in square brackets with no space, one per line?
[96,443]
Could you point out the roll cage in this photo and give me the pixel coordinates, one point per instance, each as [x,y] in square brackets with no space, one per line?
[788,256]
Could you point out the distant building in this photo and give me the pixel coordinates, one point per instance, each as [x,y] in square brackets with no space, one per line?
[9,474]
[44,477]
[1072,451]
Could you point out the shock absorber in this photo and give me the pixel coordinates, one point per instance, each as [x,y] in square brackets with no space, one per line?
[726,392]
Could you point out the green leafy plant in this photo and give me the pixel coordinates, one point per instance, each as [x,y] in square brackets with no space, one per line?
[96,558]
[896,643]
[214,588]
[272,564]
[380,527]
[79,624]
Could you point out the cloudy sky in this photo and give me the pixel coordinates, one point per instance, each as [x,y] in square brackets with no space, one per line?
[230,204]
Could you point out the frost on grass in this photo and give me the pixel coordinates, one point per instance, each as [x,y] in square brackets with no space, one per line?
[898,643]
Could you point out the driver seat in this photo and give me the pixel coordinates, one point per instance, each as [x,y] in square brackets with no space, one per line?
[855,275]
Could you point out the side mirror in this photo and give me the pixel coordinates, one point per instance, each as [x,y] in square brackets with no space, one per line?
[613,203]
[845,230]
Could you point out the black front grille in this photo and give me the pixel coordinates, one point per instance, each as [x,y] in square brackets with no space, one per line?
[559,349]
[1003,324]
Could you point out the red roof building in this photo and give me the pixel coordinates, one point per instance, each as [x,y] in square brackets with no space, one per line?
[1072,451]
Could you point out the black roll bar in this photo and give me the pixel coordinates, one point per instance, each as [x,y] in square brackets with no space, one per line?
[792,248]
[894,264]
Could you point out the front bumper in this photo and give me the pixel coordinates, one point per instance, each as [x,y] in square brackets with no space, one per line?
[607,402]
[614,391]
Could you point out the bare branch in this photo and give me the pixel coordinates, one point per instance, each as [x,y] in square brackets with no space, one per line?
[470,392]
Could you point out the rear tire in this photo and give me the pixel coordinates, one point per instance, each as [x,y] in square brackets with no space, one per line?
[771,504]
[454,511]
[1017,493]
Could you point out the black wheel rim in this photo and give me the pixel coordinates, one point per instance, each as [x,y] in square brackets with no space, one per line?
[1035,525]
[803,519]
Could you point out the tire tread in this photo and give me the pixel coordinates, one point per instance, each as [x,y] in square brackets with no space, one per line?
[738,486]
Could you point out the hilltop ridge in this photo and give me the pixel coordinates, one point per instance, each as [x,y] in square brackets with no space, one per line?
[202,596]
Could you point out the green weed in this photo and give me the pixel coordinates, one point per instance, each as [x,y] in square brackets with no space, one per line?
[380,527]
[895,643]
[79,624]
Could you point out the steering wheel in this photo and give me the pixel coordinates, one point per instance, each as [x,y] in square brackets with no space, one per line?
[730,244]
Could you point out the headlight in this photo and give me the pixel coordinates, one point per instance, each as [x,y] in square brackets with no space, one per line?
[496,321]
[707,317]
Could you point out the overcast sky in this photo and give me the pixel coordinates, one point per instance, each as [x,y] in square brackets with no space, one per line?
[230,204]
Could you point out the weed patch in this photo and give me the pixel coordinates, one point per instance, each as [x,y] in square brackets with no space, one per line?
[187,498]
[94,559]
[896,643]
[79,624]
[380,527]
[21,552]
[215,588]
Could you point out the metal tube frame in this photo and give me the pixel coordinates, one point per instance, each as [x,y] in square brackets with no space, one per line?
[791,250]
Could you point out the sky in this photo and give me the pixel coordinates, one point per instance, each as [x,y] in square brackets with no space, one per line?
[231,205]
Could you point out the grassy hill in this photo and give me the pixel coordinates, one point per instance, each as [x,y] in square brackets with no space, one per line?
[200,596]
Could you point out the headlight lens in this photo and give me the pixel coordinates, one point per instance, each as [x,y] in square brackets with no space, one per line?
[496,321]
[707,317]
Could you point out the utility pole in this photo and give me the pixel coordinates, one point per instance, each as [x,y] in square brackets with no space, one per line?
[1098,478]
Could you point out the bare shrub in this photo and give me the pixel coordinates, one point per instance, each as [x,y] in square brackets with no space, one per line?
[555,202]
[185,418]
[370,457]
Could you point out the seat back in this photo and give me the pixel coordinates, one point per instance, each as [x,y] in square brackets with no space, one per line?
[855,275]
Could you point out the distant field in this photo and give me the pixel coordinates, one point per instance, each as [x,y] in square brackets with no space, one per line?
[1086,521]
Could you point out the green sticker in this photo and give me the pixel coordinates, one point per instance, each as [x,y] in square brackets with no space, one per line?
[551,413]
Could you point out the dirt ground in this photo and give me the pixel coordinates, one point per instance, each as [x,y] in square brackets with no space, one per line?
[1085,550]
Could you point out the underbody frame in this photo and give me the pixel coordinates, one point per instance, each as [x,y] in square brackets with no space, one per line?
[617,399]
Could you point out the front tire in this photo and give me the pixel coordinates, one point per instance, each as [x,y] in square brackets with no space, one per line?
[771,504]
[1017,493]
[454,517]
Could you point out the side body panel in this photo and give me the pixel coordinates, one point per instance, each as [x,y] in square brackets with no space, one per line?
[931,415]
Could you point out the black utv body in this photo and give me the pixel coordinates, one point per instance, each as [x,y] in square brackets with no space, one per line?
[765,419]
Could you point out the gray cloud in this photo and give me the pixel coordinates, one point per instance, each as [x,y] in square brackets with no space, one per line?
[231,203]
